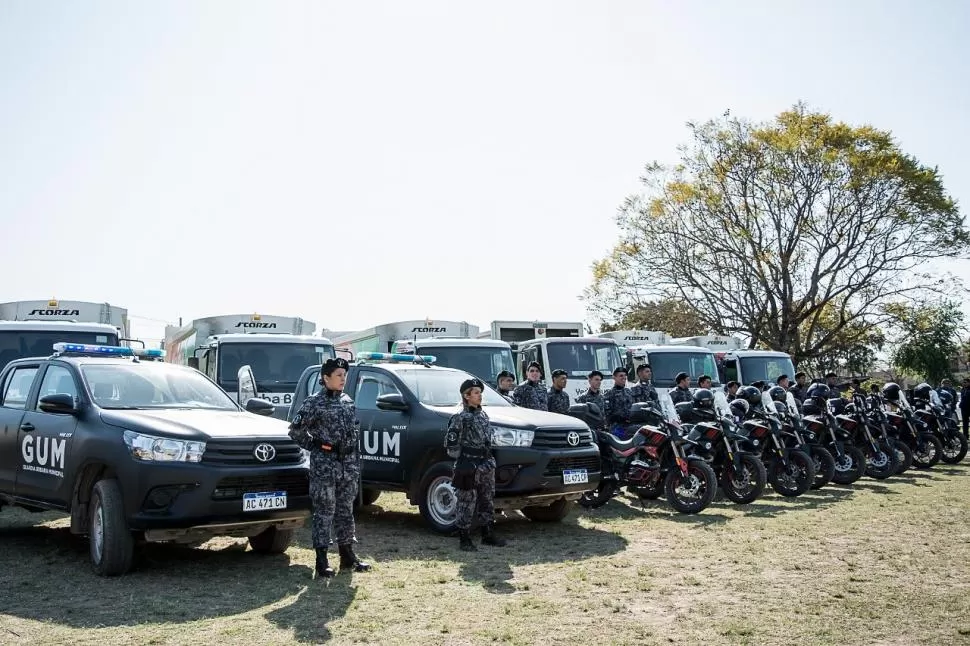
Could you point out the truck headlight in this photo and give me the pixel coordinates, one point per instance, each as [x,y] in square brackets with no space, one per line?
[502,436]
[162,449]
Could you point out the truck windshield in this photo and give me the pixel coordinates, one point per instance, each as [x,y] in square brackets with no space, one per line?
[276,366]
[766,369]
[666,365]
[152,385]
[441,387]
[18,344]
[578,358]
[485,363]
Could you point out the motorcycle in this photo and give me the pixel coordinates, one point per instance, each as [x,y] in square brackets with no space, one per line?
[801,437]
[929,409]
[791,471]
[741,474]
[881,459]
[926,447]
[850,462]
[879,422]
[658,451]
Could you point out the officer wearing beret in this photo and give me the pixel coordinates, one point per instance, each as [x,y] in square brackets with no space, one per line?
[558,399]
[468,441]
[327,426]
[682,392]
[506,382]
[530,394]
[593,394]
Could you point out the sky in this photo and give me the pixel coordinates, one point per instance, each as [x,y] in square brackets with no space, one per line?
[359,163]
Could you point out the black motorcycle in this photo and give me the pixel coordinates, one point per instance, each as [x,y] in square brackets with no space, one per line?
[850,461]
[741,473]
[886,432]
[934,416]
[804,439]
[881,459]
[927,448]
[791,471]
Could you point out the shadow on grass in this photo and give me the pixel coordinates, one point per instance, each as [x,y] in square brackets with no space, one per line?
[320,602]
[48,578]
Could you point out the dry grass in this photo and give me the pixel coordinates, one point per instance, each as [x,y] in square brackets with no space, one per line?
[875,563]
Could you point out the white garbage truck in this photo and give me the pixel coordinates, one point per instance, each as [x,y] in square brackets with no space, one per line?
[276,348]
[382,338]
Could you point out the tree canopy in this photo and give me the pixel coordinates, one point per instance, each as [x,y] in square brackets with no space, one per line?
[795,234]
[670,316]
[928,340]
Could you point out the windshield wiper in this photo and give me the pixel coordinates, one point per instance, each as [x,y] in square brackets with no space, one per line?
[121,407]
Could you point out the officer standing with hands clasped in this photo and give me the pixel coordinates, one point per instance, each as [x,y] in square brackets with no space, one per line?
[468,441]
[327,426]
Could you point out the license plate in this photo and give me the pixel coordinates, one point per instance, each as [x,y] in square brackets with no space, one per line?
[575,476]
[264,501]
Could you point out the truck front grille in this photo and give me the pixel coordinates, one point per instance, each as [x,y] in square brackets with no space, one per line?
[559,439]
[294,484]
[557,465]
[242,452]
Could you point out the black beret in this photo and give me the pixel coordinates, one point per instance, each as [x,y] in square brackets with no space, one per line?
[559,372]
[468,384]
[332,364]
[617,371]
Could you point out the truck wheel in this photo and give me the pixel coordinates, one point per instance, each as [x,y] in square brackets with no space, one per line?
[553,513]
[437,499]
[271,541]
[111,544]
[371,496]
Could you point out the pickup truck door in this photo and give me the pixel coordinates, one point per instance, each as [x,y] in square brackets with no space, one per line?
[45,440]
[382,432]
[14,395]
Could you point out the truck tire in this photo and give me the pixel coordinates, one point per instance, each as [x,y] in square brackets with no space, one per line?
[271,541]
[553,513]
[437,500]
[112,546]
[371,496]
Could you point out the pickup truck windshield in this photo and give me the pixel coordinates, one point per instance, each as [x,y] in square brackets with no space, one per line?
[19,344]
[440,387]
[154,385]
[276,366]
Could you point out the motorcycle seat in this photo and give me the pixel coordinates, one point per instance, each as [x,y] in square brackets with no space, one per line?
[615,442]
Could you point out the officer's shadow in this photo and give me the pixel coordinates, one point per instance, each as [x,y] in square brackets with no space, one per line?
[321,602]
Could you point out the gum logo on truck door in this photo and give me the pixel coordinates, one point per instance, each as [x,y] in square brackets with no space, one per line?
[43,454]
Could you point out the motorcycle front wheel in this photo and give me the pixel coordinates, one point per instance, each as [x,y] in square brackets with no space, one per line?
[693,492]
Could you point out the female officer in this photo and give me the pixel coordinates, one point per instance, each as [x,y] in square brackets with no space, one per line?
[327,426]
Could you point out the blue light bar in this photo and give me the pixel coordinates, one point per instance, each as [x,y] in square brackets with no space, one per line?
[150,353]
[391,356]
[88,348]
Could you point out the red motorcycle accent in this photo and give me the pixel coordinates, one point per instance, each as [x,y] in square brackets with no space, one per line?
[847,422]
[654,435]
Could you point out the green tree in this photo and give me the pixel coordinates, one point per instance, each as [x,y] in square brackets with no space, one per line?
[788,233]
[670,316]
[928,339]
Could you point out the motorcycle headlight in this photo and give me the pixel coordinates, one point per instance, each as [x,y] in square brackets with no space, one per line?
[502,436]
[162,449]
[755,442]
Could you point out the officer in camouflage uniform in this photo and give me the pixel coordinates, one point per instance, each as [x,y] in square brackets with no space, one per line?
[558,400]
[468,441]
[644,390]
[506,382]
[619,400]
[682,392]
[593,394]
[327,426]
[530,394]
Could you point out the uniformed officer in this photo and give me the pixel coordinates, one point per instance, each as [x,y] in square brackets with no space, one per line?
[593,394]
[558,400]
[619,399]
[682,392]
[468,441]
[327,426]
[704,381]
[530,394]
[506,382]
[644,391]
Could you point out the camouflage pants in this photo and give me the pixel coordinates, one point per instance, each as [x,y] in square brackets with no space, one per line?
[480,499]
[333,488]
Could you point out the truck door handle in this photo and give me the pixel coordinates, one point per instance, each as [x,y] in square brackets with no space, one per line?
[26,427]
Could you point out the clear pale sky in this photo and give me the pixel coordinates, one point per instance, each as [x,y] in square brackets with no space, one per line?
[358,163]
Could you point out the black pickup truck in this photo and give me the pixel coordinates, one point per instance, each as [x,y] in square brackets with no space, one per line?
[145,451]
[544,460]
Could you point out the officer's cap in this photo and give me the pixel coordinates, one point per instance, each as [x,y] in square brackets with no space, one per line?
[468,384]
[534,364]
[642,367]
[619,370]
[504,374]
[332,364]
[595,373]
[681,376]
[559,372]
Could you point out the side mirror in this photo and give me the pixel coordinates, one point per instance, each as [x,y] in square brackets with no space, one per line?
[246,384]
[392,401]
[259,406]
[58,403]
[194,362]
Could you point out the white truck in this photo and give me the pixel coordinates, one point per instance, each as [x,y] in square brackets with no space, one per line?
[518,331]
[667,361]
[628,338]
[382,338]
[578,356]
[749,366]
[484,358]
[31,328]
[716,342]
[276,348]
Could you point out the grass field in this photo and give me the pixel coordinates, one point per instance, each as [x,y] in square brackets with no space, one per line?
[874,563]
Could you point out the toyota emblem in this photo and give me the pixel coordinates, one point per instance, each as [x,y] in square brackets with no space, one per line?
[264,452]
[573,438]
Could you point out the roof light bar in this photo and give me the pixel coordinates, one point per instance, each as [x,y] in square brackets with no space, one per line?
[89,348]
[393,356]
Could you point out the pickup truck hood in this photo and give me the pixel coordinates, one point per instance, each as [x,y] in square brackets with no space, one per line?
[522,418]
[196,424]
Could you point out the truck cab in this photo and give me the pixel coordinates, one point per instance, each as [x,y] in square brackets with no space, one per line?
[484,358]
[748,366]
[666,361]
[577,356]
[19,339]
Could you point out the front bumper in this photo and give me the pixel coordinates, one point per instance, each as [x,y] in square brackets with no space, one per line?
[525,476]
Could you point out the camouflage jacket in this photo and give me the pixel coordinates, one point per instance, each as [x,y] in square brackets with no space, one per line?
[681,395]
[529,395]
[619,399]
[644,392]
[589,397]
[558,401]
[469,434]
[327,419]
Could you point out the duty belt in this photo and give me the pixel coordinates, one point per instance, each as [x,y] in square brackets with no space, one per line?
[336,452]
[475,453]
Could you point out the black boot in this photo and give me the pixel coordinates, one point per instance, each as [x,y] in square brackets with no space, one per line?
[349,560]
[323,567]
[466,541]
[489,537]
